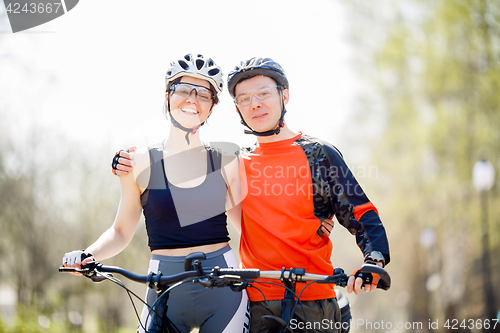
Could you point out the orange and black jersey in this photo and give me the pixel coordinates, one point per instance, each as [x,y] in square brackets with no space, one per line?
[293,185]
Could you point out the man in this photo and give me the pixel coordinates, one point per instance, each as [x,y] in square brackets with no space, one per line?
[295,184]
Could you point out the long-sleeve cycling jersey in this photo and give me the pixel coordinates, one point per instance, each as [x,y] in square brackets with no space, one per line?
[293,185]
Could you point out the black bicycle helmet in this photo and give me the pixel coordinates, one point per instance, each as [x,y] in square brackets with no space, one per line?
[253,67]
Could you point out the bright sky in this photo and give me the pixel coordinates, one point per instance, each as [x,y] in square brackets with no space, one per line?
[97,72]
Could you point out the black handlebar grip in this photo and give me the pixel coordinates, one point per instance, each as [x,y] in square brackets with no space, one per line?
[63,269]
[83,271]
[385,280]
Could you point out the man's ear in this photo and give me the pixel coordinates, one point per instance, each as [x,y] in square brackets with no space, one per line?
[286,96]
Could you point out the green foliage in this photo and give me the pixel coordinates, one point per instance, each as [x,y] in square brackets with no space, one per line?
[435,69]
[49,206]
[28,321]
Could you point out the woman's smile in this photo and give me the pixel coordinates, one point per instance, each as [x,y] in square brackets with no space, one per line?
[189,111]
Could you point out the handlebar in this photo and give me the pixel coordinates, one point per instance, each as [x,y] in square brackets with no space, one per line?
[236,279]
[94,272]
[223,276]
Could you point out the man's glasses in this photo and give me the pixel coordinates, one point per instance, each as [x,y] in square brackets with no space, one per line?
[261,94]
[185,89]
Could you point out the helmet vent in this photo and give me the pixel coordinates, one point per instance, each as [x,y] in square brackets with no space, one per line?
[199,63]
[256,66]
[213,72]
[183,64]
[196,66]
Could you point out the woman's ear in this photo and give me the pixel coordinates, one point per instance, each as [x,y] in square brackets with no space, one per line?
[165,105]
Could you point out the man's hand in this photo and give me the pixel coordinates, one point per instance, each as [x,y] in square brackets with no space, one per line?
[327,227]
[355,284]
[123,162]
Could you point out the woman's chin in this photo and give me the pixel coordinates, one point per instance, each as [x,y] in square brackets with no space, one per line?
[188,121]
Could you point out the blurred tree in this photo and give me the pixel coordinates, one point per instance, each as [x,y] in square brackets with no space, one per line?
[53,200]
[56,195]
[432,75]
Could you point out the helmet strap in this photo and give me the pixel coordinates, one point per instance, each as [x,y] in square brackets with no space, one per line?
[179,126]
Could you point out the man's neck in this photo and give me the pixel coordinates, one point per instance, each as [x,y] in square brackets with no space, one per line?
[285,134]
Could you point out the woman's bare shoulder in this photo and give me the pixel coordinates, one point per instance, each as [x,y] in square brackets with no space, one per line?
[142,168]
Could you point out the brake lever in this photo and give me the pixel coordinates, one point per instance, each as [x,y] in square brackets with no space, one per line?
[100,277]
[339,278]
[233,281]
[90,271]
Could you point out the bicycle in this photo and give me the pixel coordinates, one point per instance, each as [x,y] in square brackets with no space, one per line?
[236,279]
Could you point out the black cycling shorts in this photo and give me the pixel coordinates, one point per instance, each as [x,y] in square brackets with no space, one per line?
[321,316]
[190,305]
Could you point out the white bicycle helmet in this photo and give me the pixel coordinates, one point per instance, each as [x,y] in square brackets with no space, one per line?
[198,67]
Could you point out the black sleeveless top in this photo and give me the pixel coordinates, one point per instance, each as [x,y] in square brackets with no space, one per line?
[184,217]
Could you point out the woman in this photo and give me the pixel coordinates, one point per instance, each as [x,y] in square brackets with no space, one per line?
[184,189]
